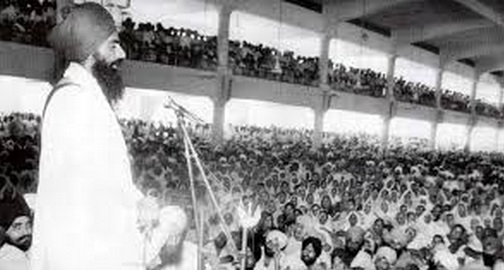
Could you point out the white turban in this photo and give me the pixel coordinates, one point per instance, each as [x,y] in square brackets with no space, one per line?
[173,222]
[30,199]
[388,253]
[278,237]
[362,260]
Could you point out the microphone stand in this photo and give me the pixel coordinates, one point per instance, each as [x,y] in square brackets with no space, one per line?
[190,154]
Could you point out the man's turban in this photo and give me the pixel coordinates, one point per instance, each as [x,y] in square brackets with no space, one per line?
[387,253]
[84,28]
[12,208]
[277,237]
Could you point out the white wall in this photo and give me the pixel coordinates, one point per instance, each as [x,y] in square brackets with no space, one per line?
[409,128]
[266,114]
[22,95]
[451,136]
[339,121]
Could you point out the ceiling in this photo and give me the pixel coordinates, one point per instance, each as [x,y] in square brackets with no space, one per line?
[471,31]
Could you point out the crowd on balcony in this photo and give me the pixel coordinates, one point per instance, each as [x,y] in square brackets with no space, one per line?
[170,46]
[157,44]
[343,206]
[27,21]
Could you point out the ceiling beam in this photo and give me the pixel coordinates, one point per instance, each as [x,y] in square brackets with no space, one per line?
[346,10]
[486,64]
[407,35]
[455,52]
[484,10]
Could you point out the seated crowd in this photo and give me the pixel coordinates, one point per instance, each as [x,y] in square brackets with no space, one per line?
[28,21]
[343,206]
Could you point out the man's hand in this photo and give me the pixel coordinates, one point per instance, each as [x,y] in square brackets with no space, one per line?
[148,214]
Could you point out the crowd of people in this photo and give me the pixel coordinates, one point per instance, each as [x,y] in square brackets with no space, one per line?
[28,22]
[171,46]
[344,206]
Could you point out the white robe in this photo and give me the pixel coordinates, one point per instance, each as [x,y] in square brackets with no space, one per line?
[12,258]
[86,211]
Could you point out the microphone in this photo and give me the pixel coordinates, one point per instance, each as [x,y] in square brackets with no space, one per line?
[179,109]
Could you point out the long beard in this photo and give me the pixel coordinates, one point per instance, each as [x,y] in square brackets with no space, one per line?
[308,260]
[109,79]
[173,256]
[23,243]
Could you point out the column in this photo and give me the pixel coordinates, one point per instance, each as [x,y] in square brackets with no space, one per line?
[224,76]
[433,132]
[439,109]
[330,28]
[223,36]
[324,102]
[320,111]
[389,114]
[500,123]
[501,96]
[497,135]
[473,117]
[219,116]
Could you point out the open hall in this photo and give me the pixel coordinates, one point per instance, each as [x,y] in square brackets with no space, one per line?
[252,134]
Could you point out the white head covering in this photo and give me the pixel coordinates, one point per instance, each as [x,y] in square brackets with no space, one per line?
[388,253]
[362,260]
[30,199]
[173,220]
[446,259]
[278,237]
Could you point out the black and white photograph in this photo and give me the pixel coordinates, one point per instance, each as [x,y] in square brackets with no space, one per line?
[251,135]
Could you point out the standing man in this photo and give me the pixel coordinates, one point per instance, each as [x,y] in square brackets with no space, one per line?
[87,206]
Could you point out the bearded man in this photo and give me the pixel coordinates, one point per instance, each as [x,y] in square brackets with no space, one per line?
[88,208]
[15,232]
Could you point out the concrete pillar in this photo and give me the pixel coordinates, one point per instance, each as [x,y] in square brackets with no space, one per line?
[501,97]
[473,119]
[320,111]
[439,85]
[324,102]
[219,118]
[324,59]
[497,135]
[469,132]
[500,123]
[390,76]
[325,43]
[223,35]
[224,76]
[389,114]
[439,109]
[433,135]
[318,128]
[474,89]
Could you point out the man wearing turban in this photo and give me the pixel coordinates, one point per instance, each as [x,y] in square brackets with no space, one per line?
[88,208]
[385,258]
[15,232]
